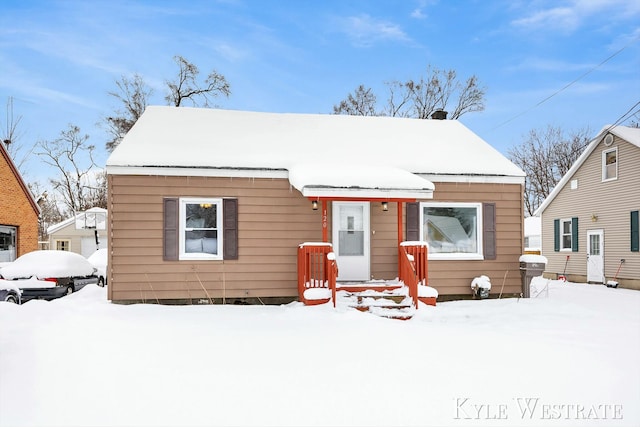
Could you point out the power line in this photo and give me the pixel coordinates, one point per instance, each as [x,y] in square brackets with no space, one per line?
[625,116]
[568,85]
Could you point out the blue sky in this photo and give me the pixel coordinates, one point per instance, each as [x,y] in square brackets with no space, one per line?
[59,59]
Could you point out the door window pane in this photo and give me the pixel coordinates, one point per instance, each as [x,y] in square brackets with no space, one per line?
[594,242]
[351,232]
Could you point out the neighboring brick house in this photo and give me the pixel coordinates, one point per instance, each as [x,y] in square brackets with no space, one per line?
[19,212]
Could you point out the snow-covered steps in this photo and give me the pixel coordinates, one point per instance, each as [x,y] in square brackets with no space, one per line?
[389,303]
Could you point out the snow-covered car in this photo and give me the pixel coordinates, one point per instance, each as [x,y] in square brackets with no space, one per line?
[49,274]
[99,260]
[9,292]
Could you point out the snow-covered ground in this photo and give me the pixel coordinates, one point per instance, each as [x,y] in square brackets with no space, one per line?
[568,357]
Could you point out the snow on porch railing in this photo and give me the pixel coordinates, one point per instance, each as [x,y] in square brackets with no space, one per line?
[316,273]
[412,258]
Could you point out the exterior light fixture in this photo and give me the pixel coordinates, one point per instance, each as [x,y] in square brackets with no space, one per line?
[385,206]
[314,205]
[594,217]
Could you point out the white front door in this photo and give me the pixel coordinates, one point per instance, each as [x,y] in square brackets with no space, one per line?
[351,240]
[595,256]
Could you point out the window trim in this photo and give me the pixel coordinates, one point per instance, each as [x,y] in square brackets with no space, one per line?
[64,241]
[476,256]
[562,234]
[190,256]
[604,164]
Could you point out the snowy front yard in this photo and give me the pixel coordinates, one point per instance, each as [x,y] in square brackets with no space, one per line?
[566,358]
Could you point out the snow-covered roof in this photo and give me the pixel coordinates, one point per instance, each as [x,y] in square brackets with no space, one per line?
[629,134]
[215,140]
[55,227]
[344,180]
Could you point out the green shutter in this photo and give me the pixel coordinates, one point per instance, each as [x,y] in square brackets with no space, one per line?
[635,226]
[574,234]
[556,235]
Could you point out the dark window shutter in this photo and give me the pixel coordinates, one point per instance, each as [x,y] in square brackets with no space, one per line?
[489,231]
[574,234]
[556,235]
[635,231]
[230,228]
[413,221]
[171,230]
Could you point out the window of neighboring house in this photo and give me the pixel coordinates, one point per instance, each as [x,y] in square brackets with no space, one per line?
[63,245]
[565,234]
[635,231]
[453,230]
[200,228]
[610,164]
[8,240]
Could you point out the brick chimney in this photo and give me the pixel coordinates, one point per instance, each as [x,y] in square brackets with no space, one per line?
[439,114]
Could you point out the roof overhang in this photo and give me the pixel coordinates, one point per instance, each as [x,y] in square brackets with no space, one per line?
[352,181]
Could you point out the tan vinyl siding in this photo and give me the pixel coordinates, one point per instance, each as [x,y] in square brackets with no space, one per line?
[273,219]
[611,202]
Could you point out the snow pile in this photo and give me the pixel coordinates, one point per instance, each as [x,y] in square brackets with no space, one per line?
[296,365]
[427,292]
[481,282]
[534,259]
[46,264]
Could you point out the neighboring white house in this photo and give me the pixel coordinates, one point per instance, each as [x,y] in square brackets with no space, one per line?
[532,234]
[84,233]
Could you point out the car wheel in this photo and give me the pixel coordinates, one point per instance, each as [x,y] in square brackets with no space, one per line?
[69,289]
[11,298]
[101,281]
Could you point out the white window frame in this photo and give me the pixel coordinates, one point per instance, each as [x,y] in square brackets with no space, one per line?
[562,234]
[604,164]
[182,254]
[63,242]
[478,255]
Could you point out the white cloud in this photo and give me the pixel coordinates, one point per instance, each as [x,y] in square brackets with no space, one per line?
[365,30]
[572,14]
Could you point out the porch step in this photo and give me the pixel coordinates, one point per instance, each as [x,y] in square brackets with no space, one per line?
[373,285]
[391,304]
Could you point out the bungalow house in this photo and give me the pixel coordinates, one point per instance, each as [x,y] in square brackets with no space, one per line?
[209,203]
[590,219]
[19,212]
[84,233]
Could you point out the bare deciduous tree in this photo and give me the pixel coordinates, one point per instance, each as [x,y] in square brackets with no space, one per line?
[73,158]
[133,94]
[436,90]
[185,87]
[361,103]
[11,136]
[50,212]
[546,156]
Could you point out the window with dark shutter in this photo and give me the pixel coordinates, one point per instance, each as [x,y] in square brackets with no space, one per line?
[413,221]
[556,235]
[230,228]
[489,230]
[170,230]
[574,234]
[635,230]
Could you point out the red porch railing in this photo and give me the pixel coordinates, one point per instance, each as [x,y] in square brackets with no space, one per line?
[316,270]
[412,259]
